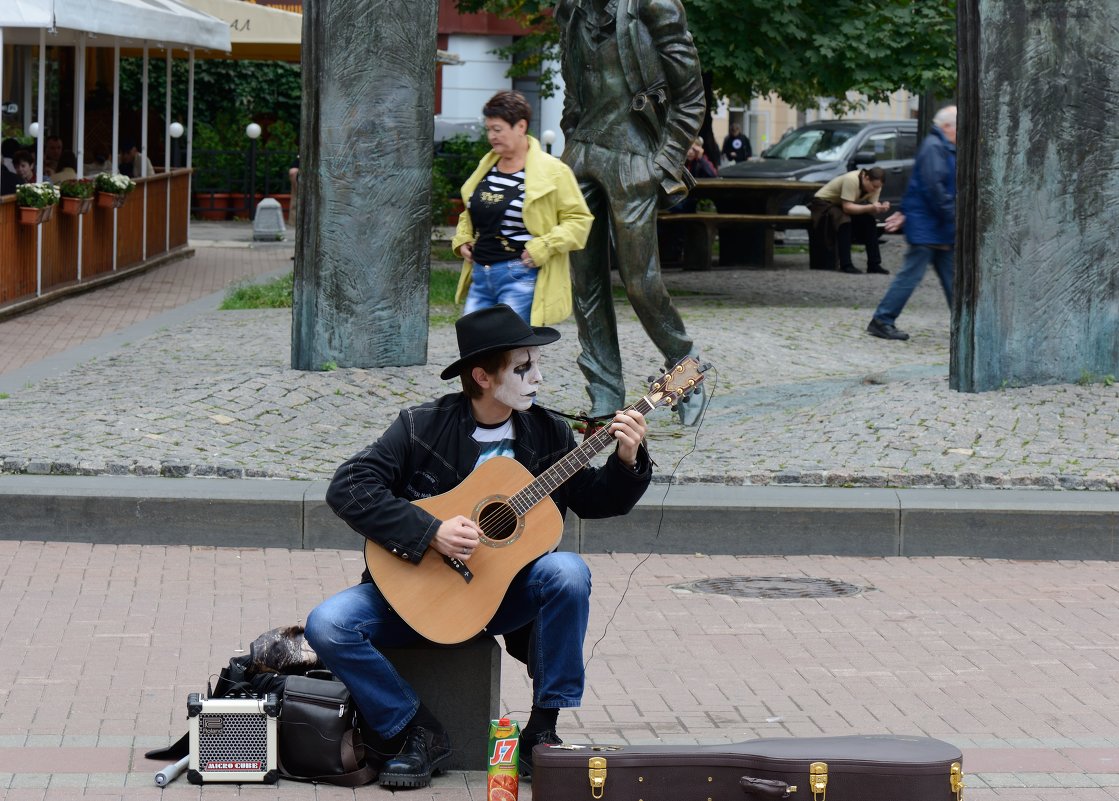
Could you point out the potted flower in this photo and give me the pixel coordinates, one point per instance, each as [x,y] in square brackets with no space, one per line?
[112,189]
[77,195]
[36,202]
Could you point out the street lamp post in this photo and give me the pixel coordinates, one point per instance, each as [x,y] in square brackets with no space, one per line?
[252,130]
[175,131]
[548,137]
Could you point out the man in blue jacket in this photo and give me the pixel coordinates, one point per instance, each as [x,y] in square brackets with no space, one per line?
[928,211]
[428,451]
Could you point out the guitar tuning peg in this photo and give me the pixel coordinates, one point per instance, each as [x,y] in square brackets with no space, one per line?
[652,379]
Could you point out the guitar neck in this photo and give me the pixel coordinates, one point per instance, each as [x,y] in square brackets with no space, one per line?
[543,485]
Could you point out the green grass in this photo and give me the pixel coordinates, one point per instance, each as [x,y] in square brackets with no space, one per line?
[272,295]
[276,294]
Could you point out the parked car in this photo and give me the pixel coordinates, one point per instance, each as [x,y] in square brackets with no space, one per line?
[824,150]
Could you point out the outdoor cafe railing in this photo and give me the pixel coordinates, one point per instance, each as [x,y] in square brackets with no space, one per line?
[80,249]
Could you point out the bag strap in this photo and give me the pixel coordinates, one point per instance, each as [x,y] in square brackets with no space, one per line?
[174,752]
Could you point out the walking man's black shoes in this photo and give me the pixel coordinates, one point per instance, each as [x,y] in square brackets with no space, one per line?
[885,330]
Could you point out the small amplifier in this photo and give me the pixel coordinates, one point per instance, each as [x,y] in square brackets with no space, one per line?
[232,739]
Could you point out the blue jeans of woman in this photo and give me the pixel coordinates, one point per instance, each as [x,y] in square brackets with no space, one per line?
[917,260]
[508,282]
[348,630]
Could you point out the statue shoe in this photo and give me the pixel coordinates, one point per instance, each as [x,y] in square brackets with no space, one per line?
[692,407]
[530,741]
[424,751]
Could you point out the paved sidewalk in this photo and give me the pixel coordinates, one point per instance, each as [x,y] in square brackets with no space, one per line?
[1014,662]
[801,395]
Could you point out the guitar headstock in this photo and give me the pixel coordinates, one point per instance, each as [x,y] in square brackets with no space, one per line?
[677,383]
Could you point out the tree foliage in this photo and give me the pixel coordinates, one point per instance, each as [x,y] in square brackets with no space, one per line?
[800,50]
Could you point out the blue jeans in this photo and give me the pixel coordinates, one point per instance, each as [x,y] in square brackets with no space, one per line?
[348,629]
[508,282]
[917,260]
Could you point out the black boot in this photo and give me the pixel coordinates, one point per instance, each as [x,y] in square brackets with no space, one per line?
[426,747]
[530,740]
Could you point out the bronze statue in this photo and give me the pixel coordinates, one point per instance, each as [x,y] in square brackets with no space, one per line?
[633,104]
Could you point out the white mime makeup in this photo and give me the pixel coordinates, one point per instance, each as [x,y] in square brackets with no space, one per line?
[518,380]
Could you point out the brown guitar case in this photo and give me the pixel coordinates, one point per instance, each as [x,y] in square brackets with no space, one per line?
[854,768]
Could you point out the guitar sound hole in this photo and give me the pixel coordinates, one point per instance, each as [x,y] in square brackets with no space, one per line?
[498,521]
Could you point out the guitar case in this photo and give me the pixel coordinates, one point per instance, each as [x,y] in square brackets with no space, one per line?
[852,768]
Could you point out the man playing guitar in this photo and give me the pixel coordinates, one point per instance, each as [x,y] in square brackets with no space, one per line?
[428,451]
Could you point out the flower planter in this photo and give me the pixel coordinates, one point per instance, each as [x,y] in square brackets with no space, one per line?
[456,209]
[211,205]
[107,200]
[29,215]
[76,205]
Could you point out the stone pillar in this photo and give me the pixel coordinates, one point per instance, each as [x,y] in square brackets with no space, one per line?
[1037,273]
[361,260]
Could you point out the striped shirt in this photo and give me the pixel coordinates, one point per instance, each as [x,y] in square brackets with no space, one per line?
[496,210]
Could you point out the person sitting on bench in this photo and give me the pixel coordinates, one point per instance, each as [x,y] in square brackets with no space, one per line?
[844,211]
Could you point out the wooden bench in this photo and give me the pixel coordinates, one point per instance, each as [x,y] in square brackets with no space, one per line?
[746,213]
[700,230]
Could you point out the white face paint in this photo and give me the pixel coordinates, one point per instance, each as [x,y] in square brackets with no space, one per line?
[517,381]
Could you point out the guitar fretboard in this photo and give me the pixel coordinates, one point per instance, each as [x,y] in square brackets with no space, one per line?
[569,465]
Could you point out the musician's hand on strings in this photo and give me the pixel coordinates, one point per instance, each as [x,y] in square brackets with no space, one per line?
[628,428]
[457,537]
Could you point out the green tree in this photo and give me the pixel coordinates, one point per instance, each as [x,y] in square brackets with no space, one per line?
[800,50]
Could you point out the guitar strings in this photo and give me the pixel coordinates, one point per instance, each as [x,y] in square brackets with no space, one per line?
[656,536]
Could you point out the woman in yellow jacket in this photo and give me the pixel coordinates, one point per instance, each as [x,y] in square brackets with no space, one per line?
[524,214]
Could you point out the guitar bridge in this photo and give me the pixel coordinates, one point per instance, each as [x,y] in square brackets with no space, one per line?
[459,567]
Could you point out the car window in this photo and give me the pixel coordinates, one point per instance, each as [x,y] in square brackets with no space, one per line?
[884,145]
[820,144]
[907,145]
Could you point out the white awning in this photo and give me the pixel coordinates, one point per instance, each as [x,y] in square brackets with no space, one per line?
[256,32]
[128,23]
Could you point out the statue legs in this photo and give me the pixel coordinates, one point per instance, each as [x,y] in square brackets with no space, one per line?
[622,194]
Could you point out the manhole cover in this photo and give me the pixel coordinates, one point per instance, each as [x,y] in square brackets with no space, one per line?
[772,587]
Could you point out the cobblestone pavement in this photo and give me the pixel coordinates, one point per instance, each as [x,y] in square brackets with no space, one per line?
[800,395]
[1014,662]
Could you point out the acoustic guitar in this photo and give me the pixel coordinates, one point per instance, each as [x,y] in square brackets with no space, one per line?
[448,601]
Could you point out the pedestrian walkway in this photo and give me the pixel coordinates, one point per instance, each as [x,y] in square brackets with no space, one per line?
[800,394]
[1013,661]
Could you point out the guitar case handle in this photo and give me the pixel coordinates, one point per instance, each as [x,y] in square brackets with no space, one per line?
[763,789]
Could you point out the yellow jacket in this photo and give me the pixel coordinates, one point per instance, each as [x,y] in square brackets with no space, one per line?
[558,219]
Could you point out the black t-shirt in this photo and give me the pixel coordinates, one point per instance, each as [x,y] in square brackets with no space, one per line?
[495,210]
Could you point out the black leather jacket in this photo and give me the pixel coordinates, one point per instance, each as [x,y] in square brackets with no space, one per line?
[428,450]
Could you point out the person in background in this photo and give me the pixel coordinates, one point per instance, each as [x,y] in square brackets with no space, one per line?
[52,152]
[66,168]
[524,214]
[736,146]
[132,162]
[672,239]
[24,162]
[844,211]
[426,452]
[9,178]
[928,212]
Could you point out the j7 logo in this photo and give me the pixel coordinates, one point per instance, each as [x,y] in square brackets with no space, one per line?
[503,751]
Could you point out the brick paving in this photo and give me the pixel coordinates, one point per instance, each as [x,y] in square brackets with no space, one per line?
[800,393]
[1015,662]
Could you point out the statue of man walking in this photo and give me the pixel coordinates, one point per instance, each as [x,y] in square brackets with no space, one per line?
[633,104]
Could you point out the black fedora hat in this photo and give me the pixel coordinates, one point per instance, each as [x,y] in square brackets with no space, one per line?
[492,330]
